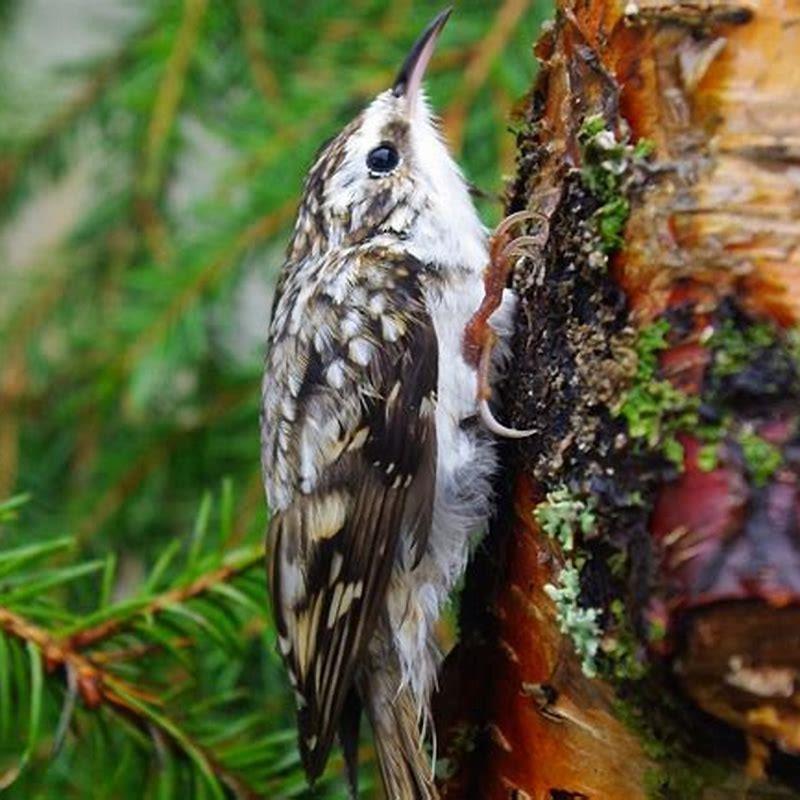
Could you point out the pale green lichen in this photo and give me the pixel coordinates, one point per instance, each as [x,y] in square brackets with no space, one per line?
[561,515]
[579,623]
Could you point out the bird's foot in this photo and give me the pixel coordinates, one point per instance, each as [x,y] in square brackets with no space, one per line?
[479,336]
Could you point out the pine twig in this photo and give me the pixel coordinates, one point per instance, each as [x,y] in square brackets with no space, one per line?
[116,494]
[99,687]
[93,682]
[89,94]
[13,382]
[169,94]
[82,639]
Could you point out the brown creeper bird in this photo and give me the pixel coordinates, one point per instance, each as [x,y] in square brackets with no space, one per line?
[376,462]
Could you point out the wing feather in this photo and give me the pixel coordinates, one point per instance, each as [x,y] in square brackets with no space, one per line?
[335,543]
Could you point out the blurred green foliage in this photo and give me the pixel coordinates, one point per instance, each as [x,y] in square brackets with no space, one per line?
[151,157]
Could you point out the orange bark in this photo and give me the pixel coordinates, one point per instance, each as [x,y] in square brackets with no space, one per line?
[713,236]
[553,730]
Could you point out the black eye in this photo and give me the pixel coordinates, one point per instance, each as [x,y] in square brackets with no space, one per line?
[382,159]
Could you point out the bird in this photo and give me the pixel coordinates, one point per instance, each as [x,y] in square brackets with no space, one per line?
[377,444]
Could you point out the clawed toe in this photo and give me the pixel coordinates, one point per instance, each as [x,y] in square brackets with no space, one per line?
[479,336]
[485,392]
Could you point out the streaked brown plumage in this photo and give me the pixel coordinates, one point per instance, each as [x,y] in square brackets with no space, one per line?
[368,367]
[376,466]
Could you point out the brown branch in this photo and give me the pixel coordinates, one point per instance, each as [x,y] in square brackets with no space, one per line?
[478,67]
[136,651]
[169,95]
[84,638]
[252,21]
[92,681]
[165,108]
[13,382]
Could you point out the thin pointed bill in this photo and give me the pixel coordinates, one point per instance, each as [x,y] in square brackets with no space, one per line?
[409,79]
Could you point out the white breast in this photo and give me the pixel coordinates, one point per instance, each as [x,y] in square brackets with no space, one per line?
[448,236]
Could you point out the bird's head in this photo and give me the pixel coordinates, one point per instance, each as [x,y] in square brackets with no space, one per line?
[387,175]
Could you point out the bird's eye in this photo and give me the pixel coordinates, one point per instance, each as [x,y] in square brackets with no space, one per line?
[382,159]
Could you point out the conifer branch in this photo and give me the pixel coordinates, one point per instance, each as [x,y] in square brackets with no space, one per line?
[236,564]
[115,495]
[477,69]
[98,687]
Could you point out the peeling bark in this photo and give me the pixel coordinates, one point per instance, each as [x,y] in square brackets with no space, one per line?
[657,360]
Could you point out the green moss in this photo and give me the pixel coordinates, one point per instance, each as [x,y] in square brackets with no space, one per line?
[708,457]
[793,343]
[656,631]
[592,125]
[621,649]
[736,348]
[651,341]
[655,411]
[611,220]
[618,564]
[644,148]
[760,457]
[606,163]
[678,773]
[666,783]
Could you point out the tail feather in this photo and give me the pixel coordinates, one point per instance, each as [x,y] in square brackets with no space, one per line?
[348,736]
[405,766]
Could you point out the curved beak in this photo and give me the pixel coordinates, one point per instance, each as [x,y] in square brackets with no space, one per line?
[409,79]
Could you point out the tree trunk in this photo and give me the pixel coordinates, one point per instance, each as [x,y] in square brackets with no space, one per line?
[631,627]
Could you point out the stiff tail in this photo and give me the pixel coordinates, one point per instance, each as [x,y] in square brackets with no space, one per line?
[405,766]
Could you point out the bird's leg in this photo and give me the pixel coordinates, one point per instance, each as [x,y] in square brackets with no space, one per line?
[479,336]
[502,246]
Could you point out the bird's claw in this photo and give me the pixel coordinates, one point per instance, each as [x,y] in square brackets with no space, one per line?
[479,336]
[485,393]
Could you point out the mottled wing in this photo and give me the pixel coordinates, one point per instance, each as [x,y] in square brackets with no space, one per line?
[363,437]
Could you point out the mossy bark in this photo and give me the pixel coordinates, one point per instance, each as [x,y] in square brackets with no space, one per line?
[656,358]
